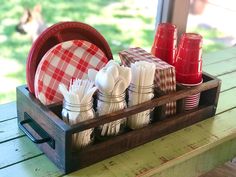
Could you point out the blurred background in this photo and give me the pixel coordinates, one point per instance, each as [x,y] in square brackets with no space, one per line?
[124,23]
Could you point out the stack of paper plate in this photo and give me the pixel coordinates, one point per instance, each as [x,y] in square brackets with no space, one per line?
[56,34]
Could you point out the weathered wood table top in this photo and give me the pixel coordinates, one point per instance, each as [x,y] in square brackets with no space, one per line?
[188,152]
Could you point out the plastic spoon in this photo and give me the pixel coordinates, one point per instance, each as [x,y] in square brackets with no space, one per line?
[111,63]
[119,87]
[92,74]
[104,82]
[114,71]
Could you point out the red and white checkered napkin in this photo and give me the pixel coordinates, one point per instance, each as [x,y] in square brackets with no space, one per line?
[164,76]
[65,61]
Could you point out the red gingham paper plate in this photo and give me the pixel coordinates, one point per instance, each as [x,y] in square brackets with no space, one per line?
[57,33]
[65,61]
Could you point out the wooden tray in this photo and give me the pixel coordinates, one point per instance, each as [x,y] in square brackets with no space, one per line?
[43,125]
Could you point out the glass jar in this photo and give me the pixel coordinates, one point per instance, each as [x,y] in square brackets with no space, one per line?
[107,104]
[137,95]
[75,113]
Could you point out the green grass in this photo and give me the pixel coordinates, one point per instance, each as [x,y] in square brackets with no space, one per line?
[124,23]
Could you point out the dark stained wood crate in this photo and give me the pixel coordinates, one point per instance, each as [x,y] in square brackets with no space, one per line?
[44,126]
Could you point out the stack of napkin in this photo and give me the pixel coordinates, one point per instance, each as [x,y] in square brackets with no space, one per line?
[164,76]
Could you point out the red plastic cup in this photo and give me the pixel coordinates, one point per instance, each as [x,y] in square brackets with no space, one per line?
[191,41]
[169,54]
[192,101]
[164,46]
[165,42]
[183,67]
[189,78]
[188,63]
[192,55]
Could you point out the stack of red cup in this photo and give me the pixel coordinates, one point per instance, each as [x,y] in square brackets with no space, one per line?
[188,65]
[164,46]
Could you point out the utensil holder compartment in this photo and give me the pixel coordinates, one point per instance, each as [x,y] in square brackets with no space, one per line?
[48,118]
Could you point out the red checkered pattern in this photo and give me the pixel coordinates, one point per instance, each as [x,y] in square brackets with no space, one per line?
[65,61]
[164,76]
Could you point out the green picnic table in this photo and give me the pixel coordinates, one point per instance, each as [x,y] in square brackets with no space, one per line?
[189,152]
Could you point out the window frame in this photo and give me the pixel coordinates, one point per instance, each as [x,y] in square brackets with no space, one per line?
[175,12]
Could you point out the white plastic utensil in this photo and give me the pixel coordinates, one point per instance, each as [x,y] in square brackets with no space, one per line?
[64,91]
[142,79]
[111,63]
[80,93]
[125,73]
[119,87]
[114,71]
[88,95]
[92,74]
[104,82]
[112,81]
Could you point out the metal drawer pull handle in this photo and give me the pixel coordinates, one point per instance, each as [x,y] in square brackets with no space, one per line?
[45,137]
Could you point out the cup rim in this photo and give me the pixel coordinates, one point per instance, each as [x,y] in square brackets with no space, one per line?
[189,48]
[191,85]
[190,75]
[163,48]
[192,36]
[185,61]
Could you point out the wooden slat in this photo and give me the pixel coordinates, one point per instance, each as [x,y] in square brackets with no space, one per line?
[36,167]
[228,81]
[226,101]
[199,164]
[17,150]
[173,149]
[8,111]
[9,130]
[220,68]
[227,170]
[219,56]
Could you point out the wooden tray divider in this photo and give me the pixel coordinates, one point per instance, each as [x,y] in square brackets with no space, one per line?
[174,96]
